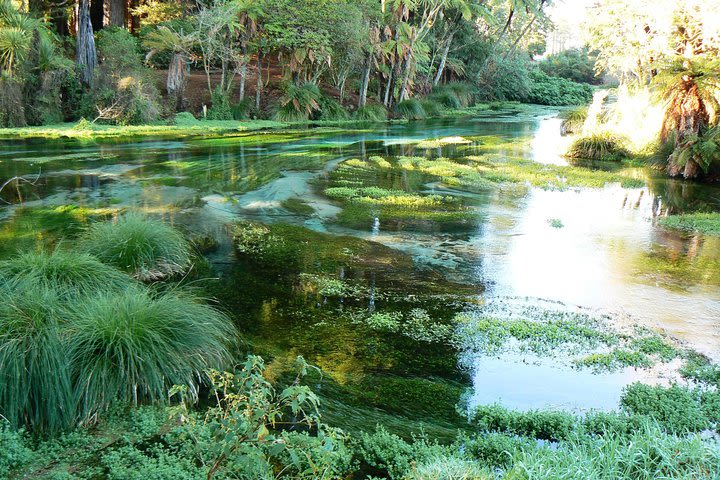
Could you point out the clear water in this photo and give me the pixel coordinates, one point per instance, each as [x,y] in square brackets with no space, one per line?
[609,255]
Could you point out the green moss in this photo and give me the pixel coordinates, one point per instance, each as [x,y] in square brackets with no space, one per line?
[705,223]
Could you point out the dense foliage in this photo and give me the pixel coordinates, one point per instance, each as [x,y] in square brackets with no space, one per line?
[309,59]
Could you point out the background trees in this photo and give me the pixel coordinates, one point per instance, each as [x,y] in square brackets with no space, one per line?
[354,52]
[672,48]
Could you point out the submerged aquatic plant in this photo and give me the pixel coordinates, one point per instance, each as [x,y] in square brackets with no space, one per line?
[35,387]
[147,249]
[68,273]
[135,346]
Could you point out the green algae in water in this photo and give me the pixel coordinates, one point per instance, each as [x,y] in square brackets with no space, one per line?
[43,227]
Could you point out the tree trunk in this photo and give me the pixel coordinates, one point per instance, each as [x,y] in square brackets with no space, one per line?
[406,76]
[118,13]
[134,19]
[365,81]
[259,84]
[97,14]
[243,73]
[85,55]
[177,79]
[443,59]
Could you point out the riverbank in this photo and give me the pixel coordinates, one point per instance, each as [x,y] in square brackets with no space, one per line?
[188,127]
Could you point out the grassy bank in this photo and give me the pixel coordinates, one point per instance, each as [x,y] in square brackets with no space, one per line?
[189,127]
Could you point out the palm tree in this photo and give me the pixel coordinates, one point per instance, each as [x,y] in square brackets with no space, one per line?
[16,35]
[180,44]
[690,88]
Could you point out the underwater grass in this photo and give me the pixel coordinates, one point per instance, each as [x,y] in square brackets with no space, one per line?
[65,272]
[35,386]
[135,346]
[705,223]
[353,184]
[145,248]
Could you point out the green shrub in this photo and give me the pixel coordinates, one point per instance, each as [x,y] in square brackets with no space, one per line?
[220,106]
[575,64]
[543,424]
[243,110]
[371,113]
[411,109]
[134,347]
[446,98]
[65,272]
[505,78]
[546,90]
[496,449]
[185,119]
[124,91]
[391,456]
[298,103]
[675,408]
[35,389]
[14,451]
[147,249]
[599,146]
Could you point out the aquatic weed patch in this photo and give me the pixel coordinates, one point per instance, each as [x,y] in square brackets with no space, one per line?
[498,168]
[582,340]
[705,223]
[360,187]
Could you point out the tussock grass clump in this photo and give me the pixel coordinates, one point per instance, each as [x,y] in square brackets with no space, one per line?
[573,120]
[431,107]
[35,388]
[135,346]
[371,113]
[411,109]
[67,273]
[599,146]
[147,249]
[331,109]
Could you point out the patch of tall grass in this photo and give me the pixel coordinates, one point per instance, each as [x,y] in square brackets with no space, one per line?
[371,113]
[66,272]
[35,386]
[411,109]
[135,346]
[145,248]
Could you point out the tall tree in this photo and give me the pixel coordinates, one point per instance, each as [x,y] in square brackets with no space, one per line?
[85,53]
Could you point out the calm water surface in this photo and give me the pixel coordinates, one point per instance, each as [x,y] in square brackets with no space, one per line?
[609,255]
